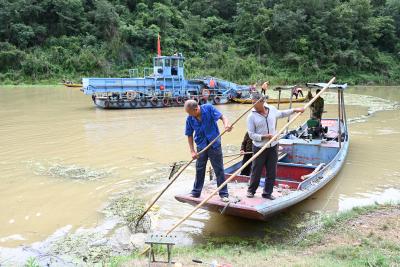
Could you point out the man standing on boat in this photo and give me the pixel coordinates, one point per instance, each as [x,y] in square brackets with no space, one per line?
[246,150]
[317,108]
[202,121]
[264,87]
[261,124]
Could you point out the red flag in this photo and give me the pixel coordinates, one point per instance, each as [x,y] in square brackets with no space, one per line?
[159,46]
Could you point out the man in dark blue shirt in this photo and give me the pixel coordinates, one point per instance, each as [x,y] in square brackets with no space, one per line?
[202,121]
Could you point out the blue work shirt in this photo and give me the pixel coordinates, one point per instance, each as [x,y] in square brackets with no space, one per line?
[205,130]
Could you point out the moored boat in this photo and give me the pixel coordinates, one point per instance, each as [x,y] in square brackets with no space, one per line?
[311,156]
[78,85]
[270,101]
[278,100]
[163,85]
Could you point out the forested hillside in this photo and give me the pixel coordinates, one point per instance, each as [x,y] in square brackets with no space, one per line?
[240,40]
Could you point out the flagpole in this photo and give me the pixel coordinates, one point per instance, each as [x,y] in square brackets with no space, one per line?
[159,46]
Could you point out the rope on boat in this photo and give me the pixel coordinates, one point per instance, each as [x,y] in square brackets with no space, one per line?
[224,209]
[236,200]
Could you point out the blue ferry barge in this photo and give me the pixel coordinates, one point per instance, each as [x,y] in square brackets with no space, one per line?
[163,85]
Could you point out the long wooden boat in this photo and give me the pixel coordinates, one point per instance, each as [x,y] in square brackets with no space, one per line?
[73,85]
[306,166]
[269,101]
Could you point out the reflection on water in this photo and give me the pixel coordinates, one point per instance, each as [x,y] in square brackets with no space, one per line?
[389,195]
[58,129]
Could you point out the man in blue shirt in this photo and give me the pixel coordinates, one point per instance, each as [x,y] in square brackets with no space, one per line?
[202,121]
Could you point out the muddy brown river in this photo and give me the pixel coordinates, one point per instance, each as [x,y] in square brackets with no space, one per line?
[62,160]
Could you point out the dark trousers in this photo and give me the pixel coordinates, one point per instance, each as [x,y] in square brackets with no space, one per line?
[246,171]
[269,159]
[215,156]
[298,93]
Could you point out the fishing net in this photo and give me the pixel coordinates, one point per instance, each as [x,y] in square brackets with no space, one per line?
[175,167]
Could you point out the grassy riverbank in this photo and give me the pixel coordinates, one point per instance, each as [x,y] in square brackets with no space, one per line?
[367,236]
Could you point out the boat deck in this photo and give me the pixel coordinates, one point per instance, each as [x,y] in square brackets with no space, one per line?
[237,192]
[240,204]
[289,177]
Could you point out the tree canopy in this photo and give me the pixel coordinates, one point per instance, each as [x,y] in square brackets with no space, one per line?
[239,40]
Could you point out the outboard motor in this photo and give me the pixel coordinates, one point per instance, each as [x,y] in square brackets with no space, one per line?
[315,129]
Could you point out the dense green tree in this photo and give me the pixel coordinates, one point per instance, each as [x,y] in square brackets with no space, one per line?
[241,40]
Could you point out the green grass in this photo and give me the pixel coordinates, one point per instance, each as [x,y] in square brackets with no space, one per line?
[315,249]
[239,255]
[371,251]
[333,220]
[31,262]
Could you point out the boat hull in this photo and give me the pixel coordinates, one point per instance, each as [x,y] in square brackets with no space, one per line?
[74,85]
[214,205]
[126,104]
[303,179]
[309,186]
[270,101]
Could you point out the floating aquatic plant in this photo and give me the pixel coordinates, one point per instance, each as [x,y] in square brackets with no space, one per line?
[130,209]
[82,247]
[69,171]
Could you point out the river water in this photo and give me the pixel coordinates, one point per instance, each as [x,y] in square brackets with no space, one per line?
[62,159]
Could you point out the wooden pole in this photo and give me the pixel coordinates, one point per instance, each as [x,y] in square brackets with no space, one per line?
[187,164]
[339,119]
[279,97]
[344,119]
[225,156]
[279,101]
[290,106]
[229,161]
[275,137]
[238,154]
[344,114]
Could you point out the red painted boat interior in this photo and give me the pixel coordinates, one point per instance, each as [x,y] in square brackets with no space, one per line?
[286,175]
[289,176]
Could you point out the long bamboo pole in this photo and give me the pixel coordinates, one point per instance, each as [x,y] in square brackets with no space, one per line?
[275,137]
[171,181]
[235,158]
[225,156]
[290,106]
[339,118]
[237,154]
[279,101]
[344,114]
